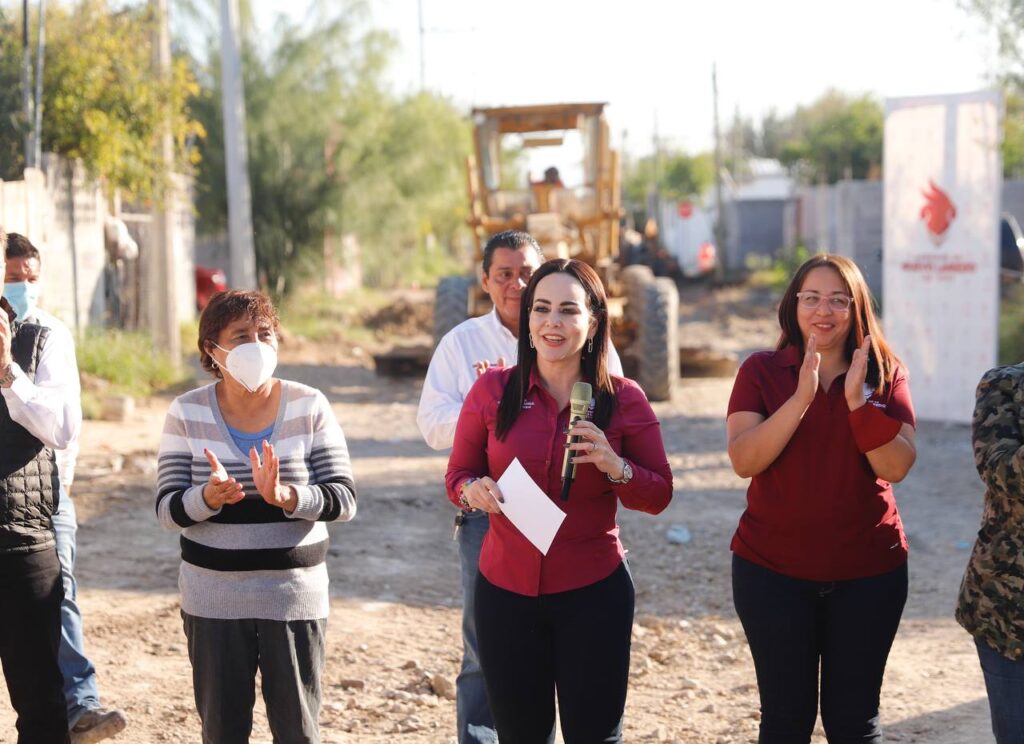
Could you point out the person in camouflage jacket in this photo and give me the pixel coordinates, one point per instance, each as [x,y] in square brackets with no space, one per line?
[991,605]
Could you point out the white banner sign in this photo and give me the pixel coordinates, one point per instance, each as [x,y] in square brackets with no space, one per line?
[943,179]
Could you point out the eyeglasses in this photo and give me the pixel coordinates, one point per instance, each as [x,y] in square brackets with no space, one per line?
[504,276]
[837,302]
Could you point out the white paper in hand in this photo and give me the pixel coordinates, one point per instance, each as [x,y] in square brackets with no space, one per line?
[528,507]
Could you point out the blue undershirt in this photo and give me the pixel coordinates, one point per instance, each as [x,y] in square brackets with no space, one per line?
[246,440]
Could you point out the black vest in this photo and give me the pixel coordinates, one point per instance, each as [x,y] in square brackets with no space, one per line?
[29,488]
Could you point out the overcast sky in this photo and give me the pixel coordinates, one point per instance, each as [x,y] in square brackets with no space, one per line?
[652,59]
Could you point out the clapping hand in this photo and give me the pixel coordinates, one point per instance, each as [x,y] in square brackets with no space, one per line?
[220,489]
[807,386]
[266,476]
[857,374]
[6,335]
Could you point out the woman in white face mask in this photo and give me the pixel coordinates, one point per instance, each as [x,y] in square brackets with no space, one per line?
[250,469]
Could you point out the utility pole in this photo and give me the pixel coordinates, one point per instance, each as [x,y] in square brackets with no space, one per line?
[242,270]
[720,232]
[162,269]
[26,84]
[37,133]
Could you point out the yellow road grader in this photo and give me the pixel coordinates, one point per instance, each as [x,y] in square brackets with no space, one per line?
[579,221]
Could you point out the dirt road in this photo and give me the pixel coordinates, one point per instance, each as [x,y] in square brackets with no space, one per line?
[395,592]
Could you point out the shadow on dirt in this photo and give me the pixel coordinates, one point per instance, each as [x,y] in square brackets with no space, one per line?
[966,716]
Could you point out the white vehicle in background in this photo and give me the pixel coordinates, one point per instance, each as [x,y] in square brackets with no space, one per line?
[686,230]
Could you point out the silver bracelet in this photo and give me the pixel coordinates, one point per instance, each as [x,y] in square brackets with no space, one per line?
[462,493]
[627,473]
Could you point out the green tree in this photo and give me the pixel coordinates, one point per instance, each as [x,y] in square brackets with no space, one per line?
[739,143]
[102,103]
[835,137]
[688,175]
[12,118]
[637,180]
[1013,135]
[679,176]
[331,149]
[1006,19]
[772,136]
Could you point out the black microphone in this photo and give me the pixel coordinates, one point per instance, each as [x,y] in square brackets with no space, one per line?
[579,404]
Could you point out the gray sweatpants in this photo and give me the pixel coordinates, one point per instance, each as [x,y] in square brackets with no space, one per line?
[225,655]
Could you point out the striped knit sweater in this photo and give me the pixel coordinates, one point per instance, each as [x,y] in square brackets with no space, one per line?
[251,559]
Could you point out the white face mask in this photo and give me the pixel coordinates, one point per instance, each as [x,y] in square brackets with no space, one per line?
[250,364]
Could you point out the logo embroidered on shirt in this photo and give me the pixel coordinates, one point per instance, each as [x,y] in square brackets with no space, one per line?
[868,392]
[527,404]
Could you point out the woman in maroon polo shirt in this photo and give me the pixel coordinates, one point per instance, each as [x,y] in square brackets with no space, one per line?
[822,426]
[562,620]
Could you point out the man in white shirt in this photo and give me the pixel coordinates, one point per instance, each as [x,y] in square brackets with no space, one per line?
[88,721]
[36,416]
[461,356]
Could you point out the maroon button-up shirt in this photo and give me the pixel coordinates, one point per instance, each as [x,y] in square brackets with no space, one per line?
[819,512]
[586,548]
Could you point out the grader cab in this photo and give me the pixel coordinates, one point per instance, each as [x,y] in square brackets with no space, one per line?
[577,219]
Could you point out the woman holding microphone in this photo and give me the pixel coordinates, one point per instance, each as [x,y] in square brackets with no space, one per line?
[561,621]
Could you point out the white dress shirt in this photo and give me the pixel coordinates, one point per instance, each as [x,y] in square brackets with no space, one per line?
[61,335]
[451,373]
[49,405]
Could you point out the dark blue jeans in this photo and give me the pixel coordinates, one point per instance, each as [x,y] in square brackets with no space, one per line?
[79,673]
[475,724]
[1004,680]
[793,626]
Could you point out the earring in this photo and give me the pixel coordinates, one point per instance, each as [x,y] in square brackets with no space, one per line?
[531,340]
[590,345]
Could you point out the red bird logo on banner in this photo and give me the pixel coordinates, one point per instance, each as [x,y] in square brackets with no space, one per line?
[938,212]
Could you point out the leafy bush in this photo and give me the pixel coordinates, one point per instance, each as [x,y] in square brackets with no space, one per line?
[316,315]
[127,360]
[776,274]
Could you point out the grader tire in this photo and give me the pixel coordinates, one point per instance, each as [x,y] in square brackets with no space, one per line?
[451,304]
[633,278]
[658,338]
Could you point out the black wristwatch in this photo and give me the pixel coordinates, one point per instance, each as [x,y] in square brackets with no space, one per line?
[7,378]
[627,473]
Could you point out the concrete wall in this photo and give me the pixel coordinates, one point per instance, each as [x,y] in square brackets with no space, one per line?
[846,218]
[758,228]
[1013,199]
[70,240]
[63,212]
